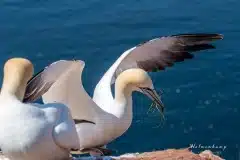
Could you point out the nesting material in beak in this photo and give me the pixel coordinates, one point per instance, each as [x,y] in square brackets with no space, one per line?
[155,97]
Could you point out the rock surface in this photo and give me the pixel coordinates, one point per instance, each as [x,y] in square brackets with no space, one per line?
[169,154]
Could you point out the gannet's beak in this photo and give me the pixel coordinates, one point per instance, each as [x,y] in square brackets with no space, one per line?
[154,96]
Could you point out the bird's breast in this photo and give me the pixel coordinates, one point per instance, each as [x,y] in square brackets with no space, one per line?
[25,132]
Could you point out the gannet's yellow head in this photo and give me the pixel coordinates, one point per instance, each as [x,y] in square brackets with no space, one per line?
[17,72]
[136,79]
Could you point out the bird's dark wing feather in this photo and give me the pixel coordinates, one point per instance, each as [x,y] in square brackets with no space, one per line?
[159,53]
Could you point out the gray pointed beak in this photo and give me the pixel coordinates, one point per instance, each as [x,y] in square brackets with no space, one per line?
[154,96]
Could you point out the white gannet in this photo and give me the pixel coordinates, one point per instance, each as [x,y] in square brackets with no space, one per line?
[32,131]
[110,116]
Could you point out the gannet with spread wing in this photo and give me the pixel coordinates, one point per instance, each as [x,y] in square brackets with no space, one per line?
[103,118]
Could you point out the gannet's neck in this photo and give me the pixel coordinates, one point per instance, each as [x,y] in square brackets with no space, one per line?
[122,90]
[11,89]
[128,81]
[123,98]
[17,72]
[14,84]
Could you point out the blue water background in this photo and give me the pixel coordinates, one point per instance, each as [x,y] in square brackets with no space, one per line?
[201,95]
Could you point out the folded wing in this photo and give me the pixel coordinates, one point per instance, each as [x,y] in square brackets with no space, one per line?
[61,82]
[64,133]
[43,80]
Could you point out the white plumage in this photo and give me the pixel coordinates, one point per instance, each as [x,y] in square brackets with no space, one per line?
[32,131]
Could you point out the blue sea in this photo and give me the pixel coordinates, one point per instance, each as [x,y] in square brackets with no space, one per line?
[202,95]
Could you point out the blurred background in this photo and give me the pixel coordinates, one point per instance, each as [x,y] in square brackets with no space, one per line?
[201,95]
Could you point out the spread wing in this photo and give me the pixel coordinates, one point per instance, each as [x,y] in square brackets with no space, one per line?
[159,53]
[61,82]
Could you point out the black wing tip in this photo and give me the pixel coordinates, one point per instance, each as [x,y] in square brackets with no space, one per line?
[209,36]
[77,121]
[25,100]
[200,47]
[213,36]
